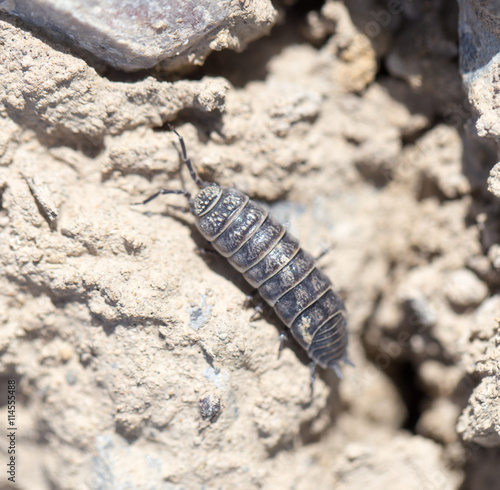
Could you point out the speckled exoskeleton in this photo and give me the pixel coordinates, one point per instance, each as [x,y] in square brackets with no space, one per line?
[271,261]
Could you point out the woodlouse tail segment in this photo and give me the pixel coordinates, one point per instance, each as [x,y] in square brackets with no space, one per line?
[347,361]
[336,367]
[337,370]
[199,182]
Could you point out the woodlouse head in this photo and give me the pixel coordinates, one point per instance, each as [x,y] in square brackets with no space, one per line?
[205,199]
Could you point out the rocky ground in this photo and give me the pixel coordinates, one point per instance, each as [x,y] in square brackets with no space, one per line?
[135,360]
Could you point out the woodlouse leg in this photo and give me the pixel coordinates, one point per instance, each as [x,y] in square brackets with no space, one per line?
[312,376]
[207,252]
[258,310]
[342,293]
[250,298]
[283,339]
[323,253]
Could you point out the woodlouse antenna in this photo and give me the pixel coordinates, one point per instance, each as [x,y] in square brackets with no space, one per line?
[199,182]
[166,191]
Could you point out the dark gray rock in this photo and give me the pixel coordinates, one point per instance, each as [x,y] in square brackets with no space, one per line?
[479,36]
[138,34]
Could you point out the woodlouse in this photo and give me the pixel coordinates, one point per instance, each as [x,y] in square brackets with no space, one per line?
[271,261]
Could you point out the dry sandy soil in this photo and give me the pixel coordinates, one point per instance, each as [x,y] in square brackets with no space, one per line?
[136,363]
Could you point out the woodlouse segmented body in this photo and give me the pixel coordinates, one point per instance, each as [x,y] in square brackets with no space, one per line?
[272,261]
